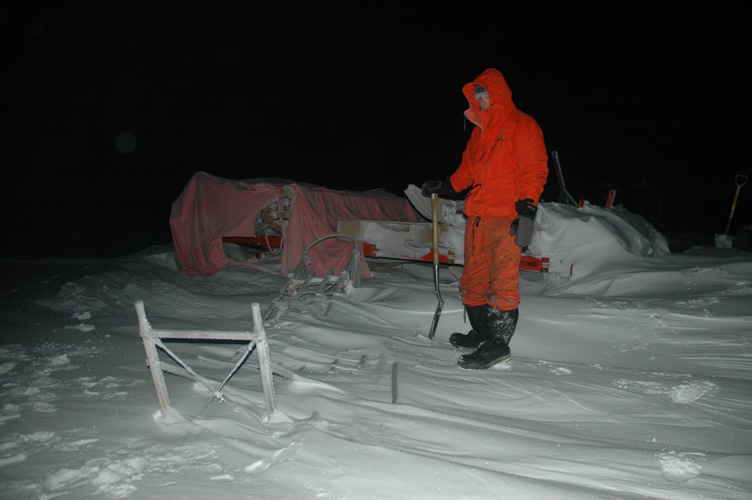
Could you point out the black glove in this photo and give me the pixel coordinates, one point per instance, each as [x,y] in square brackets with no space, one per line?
[442,188]
[522,226]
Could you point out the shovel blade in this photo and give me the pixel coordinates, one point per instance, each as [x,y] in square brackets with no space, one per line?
[434,322]
[436,314]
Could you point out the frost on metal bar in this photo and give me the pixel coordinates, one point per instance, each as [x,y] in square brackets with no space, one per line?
[152,339]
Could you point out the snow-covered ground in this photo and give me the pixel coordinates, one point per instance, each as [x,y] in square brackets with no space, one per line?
[630,379]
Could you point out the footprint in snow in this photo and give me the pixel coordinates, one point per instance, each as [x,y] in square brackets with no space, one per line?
[685,393]
[680,467]
[556,370]
[561,371]
[115,475]
[691,391]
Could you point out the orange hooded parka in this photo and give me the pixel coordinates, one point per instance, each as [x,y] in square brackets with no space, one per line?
[505,159]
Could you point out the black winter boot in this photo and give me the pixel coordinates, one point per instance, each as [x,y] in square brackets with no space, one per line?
[500,326]
[475,337]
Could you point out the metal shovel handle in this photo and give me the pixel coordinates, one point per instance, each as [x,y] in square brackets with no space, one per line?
[435,227]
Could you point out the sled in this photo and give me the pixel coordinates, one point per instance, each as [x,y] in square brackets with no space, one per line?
[303,280]
[413,248]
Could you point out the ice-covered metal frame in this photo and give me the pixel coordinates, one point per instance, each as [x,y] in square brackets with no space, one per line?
[152,339]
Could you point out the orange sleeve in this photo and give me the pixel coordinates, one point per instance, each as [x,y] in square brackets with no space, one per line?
[533,161]
[463,177]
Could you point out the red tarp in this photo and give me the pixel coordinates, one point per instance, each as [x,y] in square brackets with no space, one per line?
[211,207]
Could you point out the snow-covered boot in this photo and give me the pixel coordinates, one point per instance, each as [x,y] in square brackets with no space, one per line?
[476,336]
[500,326]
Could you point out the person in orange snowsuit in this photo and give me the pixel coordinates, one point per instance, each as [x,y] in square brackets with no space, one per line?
[505,166]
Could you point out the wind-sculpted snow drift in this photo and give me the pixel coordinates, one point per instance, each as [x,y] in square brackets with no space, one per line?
[629,378]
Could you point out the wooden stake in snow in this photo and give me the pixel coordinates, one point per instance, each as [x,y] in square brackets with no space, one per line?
[153,339]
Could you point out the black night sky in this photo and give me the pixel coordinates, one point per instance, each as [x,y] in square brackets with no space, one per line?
[654,103]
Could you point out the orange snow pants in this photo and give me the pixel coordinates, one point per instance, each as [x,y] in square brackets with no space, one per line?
[491,272]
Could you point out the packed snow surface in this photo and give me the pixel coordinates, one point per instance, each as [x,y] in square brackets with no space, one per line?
[631,378]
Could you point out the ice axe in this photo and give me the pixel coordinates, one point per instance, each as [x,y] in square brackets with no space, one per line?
[740,181]
[435,228]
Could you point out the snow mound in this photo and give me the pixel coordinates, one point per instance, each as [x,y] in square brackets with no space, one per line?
[581,240]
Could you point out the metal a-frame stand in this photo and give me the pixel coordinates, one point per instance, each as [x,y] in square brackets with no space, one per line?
[152,339]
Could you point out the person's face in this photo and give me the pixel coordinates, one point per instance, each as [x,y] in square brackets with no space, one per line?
[483,100]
